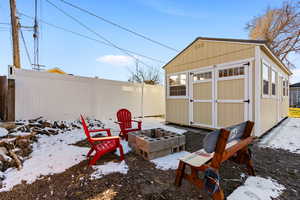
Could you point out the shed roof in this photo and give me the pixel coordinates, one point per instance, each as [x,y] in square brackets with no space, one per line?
[259,42]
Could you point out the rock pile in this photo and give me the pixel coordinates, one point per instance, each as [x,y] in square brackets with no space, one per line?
[16,143]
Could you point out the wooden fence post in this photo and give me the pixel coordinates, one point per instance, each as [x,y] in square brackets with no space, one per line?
[11,100]
[3,94]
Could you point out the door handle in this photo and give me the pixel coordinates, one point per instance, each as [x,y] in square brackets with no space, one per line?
[247,101]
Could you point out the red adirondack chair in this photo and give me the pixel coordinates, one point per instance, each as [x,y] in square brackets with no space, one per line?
[125,122]
[101,145]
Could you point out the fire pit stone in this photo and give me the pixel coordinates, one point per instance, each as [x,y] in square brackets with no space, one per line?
[153,143]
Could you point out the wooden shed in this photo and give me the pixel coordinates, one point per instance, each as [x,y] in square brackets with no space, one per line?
[217,82]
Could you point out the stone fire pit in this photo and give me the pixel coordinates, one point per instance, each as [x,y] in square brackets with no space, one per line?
[155,143]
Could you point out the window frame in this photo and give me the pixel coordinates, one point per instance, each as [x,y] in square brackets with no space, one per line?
[186,85]
[266,64]
[275,82]
[285,86]
[204,80]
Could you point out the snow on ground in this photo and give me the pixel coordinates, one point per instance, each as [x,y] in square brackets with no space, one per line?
[285,136]
[170,161]
[55,154]
[126,148]
[257,188]
[3,132]
[51,154]
[108,168]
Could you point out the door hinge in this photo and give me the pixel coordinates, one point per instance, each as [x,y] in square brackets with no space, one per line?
[247,101]
[191,100]
[191,73]
[248,63]
[191,122]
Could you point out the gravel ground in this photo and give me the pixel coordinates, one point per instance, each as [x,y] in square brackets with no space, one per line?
[144,181]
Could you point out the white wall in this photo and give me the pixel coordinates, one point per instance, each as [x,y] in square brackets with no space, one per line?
[65,97]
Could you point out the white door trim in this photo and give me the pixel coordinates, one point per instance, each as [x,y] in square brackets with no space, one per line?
[248,115]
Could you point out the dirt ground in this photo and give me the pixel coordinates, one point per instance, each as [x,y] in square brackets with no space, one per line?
[144,181]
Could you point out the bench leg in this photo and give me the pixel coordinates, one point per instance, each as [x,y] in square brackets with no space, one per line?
[219,195]
[180,173]
[250,167]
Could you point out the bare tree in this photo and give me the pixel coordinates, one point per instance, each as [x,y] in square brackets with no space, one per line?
[140,75]
[280,28]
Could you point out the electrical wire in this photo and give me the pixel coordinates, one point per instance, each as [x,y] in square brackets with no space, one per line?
[26,49]
[119,26]
[90,38]
[94,32]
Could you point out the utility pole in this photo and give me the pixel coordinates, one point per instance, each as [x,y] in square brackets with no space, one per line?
[15,34]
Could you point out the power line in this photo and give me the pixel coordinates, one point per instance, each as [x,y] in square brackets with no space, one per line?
[119,26]
[91,30]
[90,38]
[26,49]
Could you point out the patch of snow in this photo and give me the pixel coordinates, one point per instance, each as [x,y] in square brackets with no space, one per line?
[257,188]
[285,136]
[3,132]
[170,161]
[126,148]
[20,133]
[108,168]
[51,155]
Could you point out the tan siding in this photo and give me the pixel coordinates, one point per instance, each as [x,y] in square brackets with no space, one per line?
[231,89]
[177,111]
[230,113]
[268,113]
[202,91]
[206,53]
[202,113]
[269,106]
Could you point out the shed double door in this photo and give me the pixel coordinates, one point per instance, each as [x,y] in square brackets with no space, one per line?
[219,96]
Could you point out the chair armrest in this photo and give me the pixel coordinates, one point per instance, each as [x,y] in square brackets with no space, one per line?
[101,130]
[106,138]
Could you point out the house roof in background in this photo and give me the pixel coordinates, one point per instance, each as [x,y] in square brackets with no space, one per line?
[295,85]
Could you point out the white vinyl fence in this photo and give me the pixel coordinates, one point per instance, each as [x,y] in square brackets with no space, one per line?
[65,97]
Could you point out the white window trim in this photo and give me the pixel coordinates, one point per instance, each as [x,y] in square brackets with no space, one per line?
[202,72]
[230,77]
[264,62]
[276,76]
[186,86]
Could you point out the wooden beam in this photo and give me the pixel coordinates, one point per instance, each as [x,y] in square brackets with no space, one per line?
[11,100]
[3,93]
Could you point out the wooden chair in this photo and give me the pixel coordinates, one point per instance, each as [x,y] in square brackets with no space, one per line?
[125,123]
[230,143]
[101,145]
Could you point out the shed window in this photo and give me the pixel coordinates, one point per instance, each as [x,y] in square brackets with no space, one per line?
[202,76]
[177,85]
[266,81]
[273,74]
[236,71]
[285,87]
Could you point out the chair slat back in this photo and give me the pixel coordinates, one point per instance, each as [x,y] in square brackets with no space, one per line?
[85,128]
[124,116]
[236,133]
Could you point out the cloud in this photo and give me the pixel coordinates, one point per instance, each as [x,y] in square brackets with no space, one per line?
[171,8]
[116,60]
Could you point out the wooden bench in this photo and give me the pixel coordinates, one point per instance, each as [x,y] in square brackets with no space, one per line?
[220,145]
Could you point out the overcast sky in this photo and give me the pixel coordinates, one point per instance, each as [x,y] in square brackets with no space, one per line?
[173,22]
